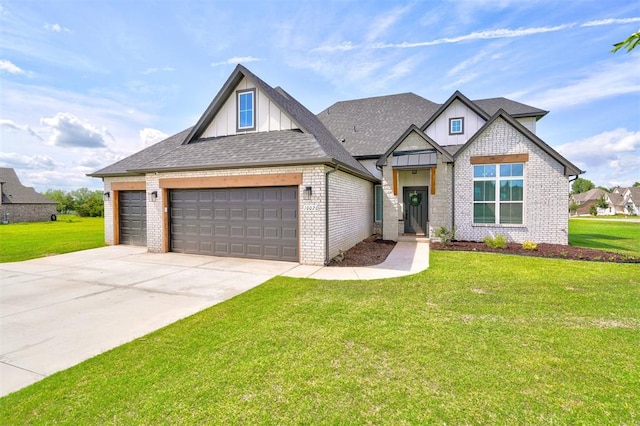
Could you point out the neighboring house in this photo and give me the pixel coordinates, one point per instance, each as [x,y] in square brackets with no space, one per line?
[630,199]
[616,201]
[20,203]
[261,176]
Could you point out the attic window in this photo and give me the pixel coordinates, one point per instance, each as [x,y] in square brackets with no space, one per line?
[246,109]
[456,126]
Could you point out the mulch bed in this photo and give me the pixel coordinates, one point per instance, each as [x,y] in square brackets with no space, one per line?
[371,251]
[543,250]
[374,251]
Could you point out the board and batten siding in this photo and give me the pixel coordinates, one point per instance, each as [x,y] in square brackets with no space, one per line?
[439,129]
[267,115]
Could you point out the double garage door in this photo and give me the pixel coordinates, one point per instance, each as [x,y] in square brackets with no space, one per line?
[257,223]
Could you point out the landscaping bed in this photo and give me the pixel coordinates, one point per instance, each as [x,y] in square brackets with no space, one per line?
[371,251]
[542,250]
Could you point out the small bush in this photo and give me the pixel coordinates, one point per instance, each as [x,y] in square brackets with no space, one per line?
[445,235]
[529,245]
[593,210]
[499,241]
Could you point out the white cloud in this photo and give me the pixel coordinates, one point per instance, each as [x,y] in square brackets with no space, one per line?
[149,136]
[597,82]
[10,67]
[20,128]
[610,21]
[385,21]
[19,161]
[69,130]
[610,158]
[236,60]
[56,28]
[345,46]
[155,70]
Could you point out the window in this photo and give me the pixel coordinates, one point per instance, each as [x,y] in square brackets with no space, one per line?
[498,193]
[378,203]
[456,126]
[246,109]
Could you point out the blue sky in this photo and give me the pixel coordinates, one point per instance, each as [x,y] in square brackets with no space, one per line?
[86,83]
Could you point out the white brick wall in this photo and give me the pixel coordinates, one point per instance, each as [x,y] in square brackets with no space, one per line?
[350,211]
[546,190]
[109,238]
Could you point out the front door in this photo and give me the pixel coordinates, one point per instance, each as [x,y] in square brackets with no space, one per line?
[415,210]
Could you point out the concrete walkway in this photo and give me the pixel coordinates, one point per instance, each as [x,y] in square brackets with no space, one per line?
[406,258]
[58,311]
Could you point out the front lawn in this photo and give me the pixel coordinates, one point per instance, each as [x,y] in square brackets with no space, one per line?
[476,339]
[23,241]
[608,234]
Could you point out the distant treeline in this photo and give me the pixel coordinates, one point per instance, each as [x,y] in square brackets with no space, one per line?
[82,202]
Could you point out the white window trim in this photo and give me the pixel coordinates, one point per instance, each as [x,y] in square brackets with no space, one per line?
[497,196]
[253,110]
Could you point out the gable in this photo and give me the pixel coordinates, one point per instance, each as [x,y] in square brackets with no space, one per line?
[269,117]
[438,129]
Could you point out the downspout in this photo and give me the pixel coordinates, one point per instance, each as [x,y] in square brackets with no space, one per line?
[326,214]
[453,196]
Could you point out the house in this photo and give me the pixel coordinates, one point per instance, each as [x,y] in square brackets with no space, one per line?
[630,199]
[20,203]
[616,202]
[260,176]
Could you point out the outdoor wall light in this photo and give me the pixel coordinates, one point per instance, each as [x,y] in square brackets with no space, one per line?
[153,196]
[106,196]
[414,172]
[308,191]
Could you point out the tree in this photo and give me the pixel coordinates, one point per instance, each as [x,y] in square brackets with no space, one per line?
[64,200]
[602,202]
[581,185]
[88,203]
[629,43]
[636,184]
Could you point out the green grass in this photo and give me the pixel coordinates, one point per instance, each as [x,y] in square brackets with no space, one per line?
[476,339]
[608,235]
[23,241]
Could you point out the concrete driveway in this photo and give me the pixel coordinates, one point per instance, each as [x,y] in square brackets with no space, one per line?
[58,311]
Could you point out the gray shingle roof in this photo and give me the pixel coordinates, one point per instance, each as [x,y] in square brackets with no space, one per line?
[513,108]
[141,158]
[370,126]
[13,192]
[250,149]
[313,144]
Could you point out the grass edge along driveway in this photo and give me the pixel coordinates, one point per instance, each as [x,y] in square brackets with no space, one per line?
[477,338]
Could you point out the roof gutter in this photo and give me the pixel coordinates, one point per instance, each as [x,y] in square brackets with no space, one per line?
[326,214]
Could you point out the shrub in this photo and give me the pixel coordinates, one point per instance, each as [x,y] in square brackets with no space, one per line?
[593,211]
[529,245]
[499,241]
[445,235]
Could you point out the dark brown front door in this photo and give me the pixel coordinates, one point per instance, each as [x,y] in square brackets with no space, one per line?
[415,210]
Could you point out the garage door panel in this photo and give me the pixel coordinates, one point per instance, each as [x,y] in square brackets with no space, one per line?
[132,217]
[245,222]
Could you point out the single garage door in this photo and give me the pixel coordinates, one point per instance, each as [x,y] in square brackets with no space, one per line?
[257,223]
[132,220]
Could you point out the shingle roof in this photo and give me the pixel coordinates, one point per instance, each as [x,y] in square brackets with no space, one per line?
[513,108]
[590,195]
[187,151]
[249,149]
[13,192]
[370,126]
[140,158]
